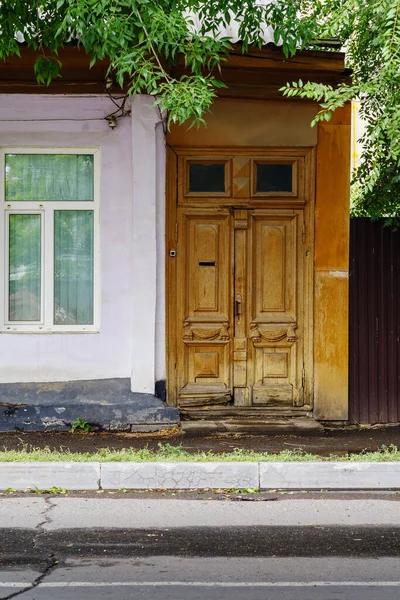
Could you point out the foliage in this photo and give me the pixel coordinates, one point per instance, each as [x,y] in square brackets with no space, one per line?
[143,39]
[370,32]
[81,425]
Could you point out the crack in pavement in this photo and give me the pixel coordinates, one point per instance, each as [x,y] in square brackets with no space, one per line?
[51,562]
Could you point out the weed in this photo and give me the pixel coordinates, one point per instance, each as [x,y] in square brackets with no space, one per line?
[55,489]
[81,425]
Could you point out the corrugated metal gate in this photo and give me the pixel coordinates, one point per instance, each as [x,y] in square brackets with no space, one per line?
[374,323]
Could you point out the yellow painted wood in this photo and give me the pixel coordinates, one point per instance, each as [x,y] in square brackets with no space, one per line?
[331,267]
[241,291]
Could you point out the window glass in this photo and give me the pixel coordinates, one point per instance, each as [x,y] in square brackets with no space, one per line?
[24,285]
[73,267]
[274,178]
[49,177]
[207,177]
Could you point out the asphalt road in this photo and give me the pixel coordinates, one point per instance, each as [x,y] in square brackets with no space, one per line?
[218,578]
[256,563]
[334,547]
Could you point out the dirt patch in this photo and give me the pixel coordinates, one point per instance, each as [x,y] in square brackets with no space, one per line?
[338,442]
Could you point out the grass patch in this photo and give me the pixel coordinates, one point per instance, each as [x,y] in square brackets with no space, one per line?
[169,453]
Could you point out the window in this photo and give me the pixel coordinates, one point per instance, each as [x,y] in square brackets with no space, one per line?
[206,177]
[274,178]
[51,221]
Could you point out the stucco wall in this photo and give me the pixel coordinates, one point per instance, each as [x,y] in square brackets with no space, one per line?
[58,121]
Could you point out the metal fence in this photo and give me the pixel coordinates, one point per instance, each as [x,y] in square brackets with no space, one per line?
[374,323]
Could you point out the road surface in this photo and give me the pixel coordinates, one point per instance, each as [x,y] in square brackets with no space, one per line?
[325,547]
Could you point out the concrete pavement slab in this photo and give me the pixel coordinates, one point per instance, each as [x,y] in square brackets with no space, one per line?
[199,475]
[180,475]
[74,513]
[45,475]
[330,475]
[26,513]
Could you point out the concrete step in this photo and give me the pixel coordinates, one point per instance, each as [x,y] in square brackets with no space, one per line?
[106,404]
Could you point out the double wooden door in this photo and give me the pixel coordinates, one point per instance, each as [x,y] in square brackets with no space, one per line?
[238,321]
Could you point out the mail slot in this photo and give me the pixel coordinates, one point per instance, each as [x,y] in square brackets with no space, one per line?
[206,263]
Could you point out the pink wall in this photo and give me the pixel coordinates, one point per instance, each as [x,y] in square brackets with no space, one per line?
[72,122]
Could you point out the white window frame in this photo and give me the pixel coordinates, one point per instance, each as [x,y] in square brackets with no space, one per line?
[46,209]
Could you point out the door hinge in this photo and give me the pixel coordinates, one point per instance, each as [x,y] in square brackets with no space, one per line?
[303,232]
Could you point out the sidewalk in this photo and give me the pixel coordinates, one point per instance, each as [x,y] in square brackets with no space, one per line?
[331,441]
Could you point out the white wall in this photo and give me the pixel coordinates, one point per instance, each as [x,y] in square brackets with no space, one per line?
[148,332]
[160,358]
[34,120]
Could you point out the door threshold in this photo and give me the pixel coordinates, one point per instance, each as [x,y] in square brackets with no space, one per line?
[263,425]
[257,413]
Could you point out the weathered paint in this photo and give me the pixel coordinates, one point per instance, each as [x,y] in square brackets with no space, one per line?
[331,346]
[254,123]
[103,403]
[235,122]
[331,268]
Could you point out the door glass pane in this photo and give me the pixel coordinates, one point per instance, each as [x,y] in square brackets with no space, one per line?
[24,286]
[44,177]
[274,178]
[206,177]
[73,267]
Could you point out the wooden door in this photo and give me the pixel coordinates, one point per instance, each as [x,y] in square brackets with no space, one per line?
[239,325]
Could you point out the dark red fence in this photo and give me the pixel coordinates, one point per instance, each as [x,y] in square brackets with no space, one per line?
[374,323]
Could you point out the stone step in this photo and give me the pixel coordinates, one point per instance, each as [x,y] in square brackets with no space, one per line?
[272,426]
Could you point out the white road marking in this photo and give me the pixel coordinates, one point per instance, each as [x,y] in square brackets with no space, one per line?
[218,584]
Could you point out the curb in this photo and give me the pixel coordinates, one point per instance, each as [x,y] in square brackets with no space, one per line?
[74,476]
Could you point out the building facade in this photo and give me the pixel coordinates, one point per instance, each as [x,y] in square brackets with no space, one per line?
[209,267]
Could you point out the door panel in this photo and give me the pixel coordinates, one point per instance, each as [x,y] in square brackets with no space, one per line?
[274,266]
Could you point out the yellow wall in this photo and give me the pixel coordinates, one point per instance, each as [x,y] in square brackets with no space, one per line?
[241,122]
[332,268]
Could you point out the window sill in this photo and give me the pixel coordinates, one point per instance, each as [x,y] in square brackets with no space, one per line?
[25,330]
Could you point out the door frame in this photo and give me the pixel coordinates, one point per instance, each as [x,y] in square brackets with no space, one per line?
[173,193]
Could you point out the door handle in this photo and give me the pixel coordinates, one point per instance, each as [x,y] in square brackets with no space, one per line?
[238,306]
